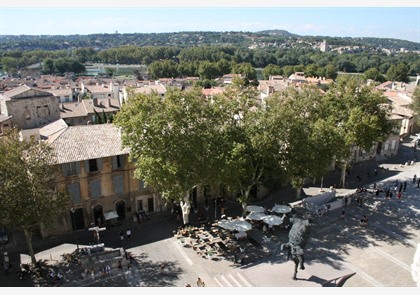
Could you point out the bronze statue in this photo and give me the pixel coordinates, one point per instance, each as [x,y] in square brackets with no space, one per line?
[298,238]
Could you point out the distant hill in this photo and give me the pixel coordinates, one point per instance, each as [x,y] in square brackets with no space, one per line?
[190,39]
[278,33]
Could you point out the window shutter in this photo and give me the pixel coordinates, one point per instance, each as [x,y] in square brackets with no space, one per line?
[87,166]
[95,188]
[114,162]
[122,159]
[64,170]
[74,191]
[78,167]
[118,184]
[99,163]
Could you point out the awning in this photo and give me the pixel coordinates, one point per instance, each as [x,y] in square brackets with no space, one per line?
[111,215]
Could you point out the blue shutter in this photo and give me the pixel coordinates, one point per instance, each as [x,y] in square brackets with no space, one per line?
[118,184]
[95,188]
[114,162]
[64,170]
[78,167]
[87,166]
[74,191]
[99,163]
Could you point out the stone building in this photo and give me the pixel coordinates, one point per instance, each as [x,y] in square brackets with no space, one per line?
[96,171]
[29,107]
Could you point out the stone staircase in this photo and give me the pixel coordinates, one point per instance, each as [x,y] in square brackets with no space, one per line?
[232,279]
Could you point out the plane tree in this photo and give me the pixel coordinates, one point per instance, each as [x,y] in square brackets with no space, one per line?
[28,197]
[306,142]
[174,142]
[359,114]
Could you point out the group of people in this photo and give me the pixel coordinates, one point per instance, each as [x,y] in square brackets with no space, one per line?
[200,283]
[128,234]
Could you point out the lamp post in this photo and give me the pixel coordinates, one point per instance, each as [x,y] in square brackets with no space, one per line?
[73,219]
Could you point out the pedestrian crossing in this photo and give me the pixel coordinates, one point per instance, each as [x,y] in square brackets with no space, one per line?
[232,279]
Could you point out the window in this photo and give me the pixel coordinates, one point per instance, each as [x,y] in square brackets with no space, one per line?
[118,184]
[95,188]
[117,162]
[93,165]
[141,185]
[74,191]
[70,169]
[140,205]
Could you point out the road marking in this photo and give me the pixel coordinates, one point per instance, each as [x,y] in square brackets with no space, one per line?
[381,252]
[364,275]
[182,252]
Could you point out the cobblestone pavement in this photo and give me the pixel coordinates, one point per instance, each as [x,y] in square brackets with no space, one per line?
[380,254]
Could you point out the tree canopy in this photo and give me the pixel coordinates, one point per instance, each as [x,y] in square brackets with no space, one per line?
[28,198]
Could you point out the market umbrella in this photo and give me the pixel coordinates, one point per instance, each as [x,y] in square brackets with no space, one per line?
[253,208]
[272,220]
[226,224]
[281,209]
[255,216]
[241,225]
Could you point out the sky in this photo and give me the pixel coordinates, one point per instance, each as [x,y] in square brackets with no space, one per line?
[357,18]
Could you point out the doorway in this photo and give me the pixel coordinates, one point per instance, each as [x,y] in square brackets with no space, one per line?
[120,208]
[98,215]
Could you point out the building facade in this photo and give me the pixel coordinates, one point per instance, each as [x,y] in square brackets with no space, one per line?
[96,171]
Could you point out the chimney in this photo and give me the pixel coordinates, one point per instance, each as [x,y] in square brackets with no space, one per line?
[109,102]
[95,101]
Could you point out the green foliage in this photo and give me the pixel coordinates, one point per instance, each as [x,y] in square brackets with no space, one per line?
[398,73]
[271,70]
[374,74]
[415,105]
[109,72]
[28,198]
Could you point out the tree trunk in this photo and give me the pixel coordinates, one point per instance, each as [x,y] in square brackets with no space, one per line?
[244,200]
[186,207]
[343,175]
[28,236]
[298,192]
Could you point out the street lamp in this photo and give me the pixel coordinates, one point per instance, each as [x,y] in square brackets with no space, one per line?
[73,219]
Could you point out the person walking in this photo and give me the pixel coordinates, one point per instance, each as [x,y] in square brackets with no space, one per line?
[343,214]
[414,178]
[120,265]
[200,283]
[121,235]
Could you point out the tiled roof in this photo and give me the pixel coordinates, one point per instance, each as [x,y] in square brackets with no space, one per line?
[98,89]
[16,91]
[148,89]
[78,143]
[85,107]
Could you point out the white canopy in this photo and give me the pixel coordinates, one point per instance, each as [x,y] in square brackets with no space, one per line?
[111,215]
[281,209]
[253,208]
[272,220]
[241,225]
[226,224]
[255,216]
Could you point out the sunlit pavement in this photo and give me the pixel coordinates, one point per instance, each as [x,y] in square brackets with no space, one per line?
[380,254]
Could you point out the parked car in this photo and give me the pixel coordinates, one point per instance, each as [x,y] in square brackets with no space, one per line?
[4,235]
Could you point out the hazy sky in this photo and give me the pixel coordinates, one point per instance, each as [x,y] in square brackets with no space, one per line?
[399,19]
